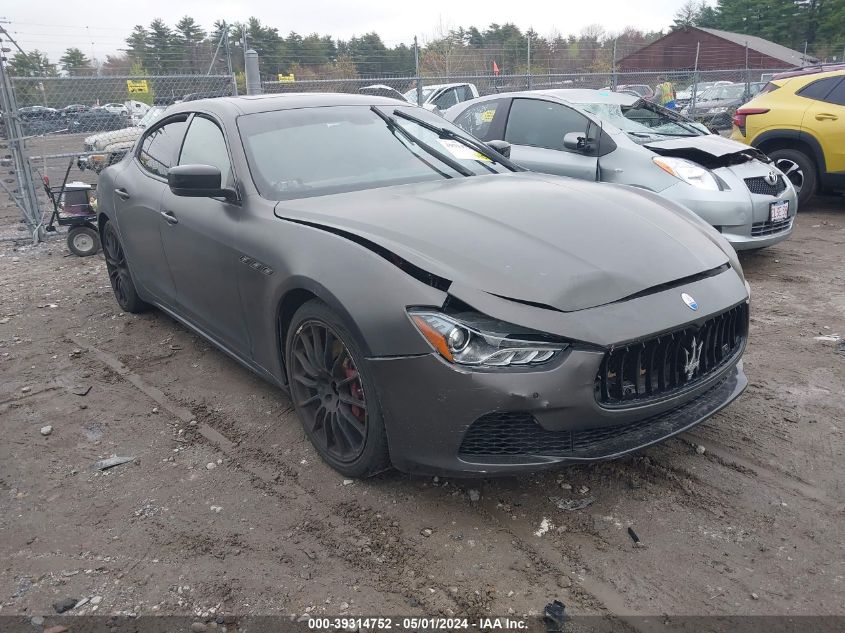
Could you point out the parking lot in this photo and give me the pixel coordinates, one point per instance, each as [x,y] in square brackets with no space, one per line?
[227,508]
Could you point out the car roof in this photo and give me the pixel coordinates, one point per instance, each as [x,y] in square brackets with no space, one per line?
[439,86]
[251,104]
[803,79]
[573,96]
[810,70]
[585,95]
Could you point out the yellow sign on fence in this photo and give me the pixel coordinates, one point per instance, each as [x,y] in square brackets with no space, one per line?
[137,87]
[287,78]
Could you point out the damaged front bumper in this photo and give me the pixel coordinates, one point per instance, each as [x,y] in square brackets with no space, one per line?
[443,418]
[445,421]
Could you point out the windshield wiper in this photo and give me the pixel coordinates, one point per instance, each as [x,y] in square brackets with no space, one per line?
[394,126]
[478,146]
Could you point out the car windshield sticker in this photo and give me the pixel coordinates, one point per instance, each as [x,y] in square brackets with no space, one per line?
[487,116]
[461,151]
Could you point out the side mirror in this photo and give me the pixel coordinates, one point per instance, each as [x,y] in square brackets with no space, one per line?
[198,181]
[503,147]
[576,141]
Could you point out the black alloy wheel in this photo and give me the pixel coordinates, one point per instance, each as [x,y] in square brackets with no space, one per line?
[118,269]
[328,389]
[333,394]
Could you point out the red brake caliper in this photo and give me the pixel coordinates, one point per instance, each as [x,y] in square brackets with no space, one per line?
[354,388]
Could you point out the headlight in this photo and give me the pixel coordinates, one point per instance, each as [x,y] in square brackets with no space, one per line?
[687,171]
[475,340]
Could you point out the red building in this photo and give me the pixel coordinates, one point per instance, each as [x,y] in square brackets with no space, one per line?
[717,50]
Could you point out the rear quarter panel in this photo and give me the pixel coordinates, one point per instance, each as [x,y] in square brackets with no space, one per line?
[786,110]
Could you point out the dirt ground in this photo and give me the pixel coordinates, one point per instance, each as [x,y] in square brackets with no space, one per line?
[226,507]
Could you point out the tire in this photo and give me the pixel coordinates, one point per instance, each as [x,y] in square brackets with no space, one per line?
[327,376]
[83,241]
[119,275]
[800,169]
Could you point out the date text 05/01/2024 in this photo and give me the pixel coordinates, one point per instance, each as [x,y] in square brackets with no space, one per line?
[415,623]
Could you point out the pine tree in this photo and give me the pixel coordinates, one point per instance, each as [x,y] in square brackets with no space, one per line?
[188,40]
[74,63]
[33,64]
[136,44]
[160,48]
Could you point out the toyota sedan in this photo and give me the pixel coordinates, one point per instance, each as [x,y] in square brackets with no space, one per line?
[425,302]
[620,138]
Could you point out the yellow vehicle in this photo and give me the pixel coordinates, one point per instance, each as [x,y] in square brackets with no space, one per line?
[799,121]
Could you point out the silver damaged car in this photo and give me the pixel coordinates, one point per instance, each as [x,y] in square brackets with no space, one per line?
[620,138]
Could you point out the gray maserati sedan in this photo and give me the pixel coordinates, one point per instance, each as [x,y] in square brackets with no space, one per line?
[424,301]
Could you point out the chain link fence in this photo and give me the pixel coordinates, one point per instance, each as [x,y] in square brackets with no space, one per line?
[59,130]
[67,129]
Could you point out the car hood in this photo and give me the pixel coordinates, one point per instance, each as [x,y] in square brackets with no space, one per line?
[104,139]
[558,242]
[710,144]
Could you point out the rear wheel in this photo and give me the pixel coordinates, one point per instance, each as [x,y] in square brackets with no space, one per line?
[83,241]
[333,392]
[800,169]
[118,269]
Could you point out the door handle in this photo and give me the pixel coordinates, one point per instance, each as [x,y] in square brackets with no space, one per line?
[120,191]
[169,217]
[824,116]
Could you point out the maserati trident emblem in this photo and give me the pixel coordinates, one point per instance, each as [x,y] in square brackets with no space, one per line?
[692,359]
[691,303]
[771,178]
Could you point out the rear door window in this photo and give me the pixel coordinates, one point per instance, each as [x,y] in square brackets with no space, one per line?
[819,89]
[837,95]
[540,123]
[478,119]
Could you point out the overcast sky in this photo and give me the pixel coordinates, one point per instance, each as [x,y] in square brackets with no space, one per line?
[100,27]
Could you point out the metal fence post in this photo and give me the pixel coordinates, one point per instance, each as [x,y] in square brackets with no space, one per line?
[25,197]
[417,73]
[253,78]
[529,61]
[613,77]
[747,92]
[694,81]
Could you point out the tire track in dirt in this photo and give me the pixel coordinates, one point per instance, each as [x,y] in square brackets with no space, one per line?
[332,524]
[773,477]
[271,481]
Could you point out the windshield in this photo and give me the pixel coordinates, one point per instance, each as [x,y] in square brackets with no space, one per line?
[724,93]
[411,95]
[151,115]
[700,88]
[318,151]
[643,121]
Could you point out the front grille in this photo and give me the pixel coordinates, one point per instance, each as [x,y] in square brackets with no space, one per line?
[665,364]
[759,229]
[759,186]
[509,434]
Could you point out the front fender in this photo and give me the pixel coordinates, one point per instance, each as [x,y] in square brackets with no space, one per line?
[369,292]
